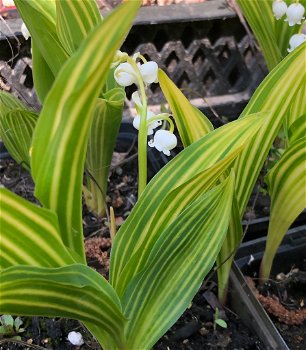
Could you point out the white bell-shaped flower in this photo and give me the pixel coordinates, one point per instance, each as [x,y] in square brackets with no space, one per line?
[163,141]
[75,338]
[295,13]
[25,32]
[124,74]
[295,41]
[279,8]
[149,72]
[155,124]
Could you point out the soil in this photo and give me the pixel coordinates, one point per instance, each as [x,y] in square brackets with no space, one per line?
[283,297]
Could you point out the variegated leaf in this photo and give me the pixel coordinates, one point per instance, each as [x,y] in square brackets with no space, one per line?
[9,102]
[42,75]
[74,291]
[286,184]
[16,130]
[191,123]
[40,19]
[29,234]
[63,126]
[103,134]
[275,95]
[74,21]
[179,261]
[169,209]
[199,156]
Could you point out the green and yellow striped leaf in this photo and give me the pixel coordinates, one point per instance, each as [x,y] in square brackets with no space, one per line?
[29,234]
[103,134]
[227,252]
[273,35]
[297,129]
[297,109]
[191,123]
[275,95]
[40,19]
[74,21]
[179,261]
[63,126]
[260,18]
[16,130]
[74,291]
[169,209]
[9,102]
[287,188]
[193,160]
[42,75]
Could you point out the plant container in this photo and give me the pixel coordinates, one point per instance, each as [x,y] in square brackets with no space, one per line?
[291,253]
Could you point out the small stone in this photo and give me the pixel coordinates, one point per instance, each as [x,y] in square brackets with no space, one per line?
[203,331]
[185,341]
[281,276]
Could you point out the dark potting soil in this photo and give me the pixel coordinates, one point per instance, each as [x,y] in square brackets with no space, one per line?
[284,298]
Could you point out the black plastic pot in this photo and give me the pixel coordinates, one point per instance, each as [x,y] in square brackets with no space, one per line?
[258,228]
[243,301]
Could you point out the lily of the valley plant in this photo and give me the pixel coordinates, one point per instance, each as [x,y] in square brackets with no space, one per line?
[186,217]
[281,24]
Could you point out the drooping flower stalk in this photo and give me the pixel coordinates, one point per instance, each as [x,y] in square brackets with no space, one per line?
[142,135]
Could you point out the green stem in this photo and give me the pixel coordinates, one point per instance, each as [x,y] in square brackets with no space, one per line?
[162,116]
[142,135]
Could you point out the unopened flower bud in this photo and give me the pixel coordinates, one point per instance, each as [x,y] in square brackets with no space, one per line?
[295,14]
[163,141]
[279,8]
[295,41]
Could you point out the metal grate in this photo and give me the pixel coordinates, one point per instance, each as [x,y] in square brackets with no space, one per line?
[206,58]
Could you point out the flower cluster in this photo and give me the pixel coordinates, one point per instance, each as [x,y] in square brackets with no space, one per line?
[294,15]
[129,72]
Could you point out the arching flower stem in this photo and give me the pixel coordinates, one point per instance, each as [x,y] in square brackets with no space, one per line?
[142,135]
[163,116]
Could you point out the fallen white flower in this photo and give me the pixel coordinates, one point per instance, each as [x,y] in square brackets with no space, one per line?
[75,338]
